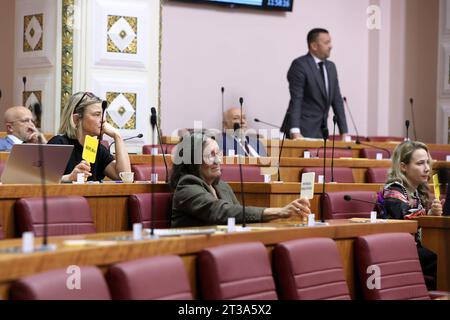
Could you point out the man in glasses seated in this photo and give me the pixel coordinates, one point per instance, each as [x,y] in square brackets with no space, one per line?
[20,128]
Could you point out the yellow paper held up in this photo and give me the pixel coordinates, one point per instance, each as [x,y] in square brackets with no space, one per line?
[90,149]
[437,190]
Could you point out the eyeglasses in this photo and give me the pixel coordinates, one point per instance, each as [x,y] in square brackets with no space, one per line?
[213,157]
[26,120]
[86,94]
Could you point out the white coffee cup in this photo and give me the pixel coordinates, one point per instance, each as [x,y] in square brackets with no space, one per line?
[27,242]
[348,139]
[320,178]
[154,178]
[373,216]
[154,151]
[311,220]
[231,226]
[267,178]
[127,177]
[306,154]
[80,177]
[137,231]
[379,156]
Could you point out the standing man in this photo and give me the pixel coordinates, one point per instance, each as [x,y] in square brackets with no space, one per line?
[314,87]
[20,128]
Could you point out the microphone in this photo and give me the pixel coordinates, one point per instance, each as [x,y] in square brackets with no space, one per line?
[353,121]
[325,137]
[411,103]
[375,147]
[140,135]
[286,125]
[236,126]
[37,108]
[24,80]
[332,148]
[222,89]
[348,197]
[158,130]
[407,129]
[241,102]
[267,123]
[153,206]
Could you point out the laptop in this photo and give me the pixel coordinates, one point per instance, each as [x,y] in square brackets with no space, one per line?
[24,164]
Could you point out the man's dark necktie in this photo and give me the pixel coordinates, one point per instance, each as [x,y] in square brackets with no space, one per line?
[322,74]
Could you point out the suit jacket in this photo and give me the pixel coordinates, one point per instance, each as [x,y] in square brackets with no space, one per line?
[6,144]
[229,142]
[309,105]
[194,205]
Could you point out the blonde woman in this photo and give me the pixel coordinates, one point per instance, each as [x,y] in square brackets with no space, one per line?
[82,116]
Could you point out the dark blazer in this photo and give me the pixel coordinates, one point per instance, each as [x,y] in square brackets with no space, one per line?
[194,205]
[309,105]
[229,142]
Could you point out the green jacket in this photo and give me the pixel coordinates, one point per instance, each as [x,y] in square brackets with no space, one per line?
[194,205]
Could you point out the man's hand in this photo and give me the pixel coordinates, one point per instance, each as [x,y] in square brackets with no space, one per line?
[296,136]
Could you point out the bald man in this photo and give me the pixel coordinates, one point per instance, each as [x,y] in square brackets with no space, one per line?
[19,127]
[251,147]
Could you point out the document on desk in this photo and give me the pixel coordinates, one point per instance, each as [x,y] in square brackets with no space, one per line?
[307,187]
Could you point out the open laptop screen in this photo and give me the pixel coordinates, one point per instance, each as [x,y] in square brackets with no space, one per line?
[24,164]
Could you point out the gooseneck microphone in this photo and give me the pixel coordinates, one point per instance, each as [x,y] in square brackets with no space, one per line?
[332,148]
[375,147]
[286,125]
[222,90]
[100,137]
[241,102]
[158,130]
[407,129]
[353,121]
[411,103]
[348,197]
[267,123]
[236,127]
[153,206]
[24,81]
[325,137]
[140,135]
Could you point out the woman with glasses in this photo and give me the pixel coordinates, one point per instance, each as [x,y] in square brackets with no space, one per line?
[201,198]
[82,116]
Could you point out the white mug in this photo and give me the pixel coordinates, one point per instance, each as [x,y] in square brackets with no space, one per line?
[154,151]
[379,156]
[127,177]
[267,178]
[306,154]
[373,216]
[154,178]
[320,179]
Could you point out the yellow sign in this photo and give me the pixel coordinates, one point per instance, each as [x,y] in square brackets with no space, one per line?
[90,149]
[437,190]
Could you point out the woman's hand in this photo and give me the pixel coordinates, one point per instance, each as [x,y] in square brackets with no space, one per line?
[299,207]
[436,207]
[82,167]
[110,130]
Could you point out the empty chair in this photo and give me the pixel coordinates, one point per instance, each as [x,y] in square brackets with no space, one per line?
[62,284]
[66,216]
[236,271]
[371,153]
[376,175]
[385,138]
[336,207]
[309,269]
[162,278]
[440,155]
[140,209]
[142,172]
[338,152]
[343,175]
[230,172]
[394,257]
[166,148]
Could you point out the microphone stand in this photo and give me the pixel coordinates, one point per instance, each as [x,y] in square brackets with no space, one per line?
[411,102]
[407,129]
[158,130]
[282,143]
[325,137]
[222,89]
[100,137]
[153,207]
[332,148]
[353,121]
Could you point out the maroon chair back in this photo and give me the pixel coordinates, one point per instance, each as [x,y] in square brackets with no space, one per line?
[385,138]
[338,152]
[230,172]
[140,209]
[236,271]
[343,175]
[371,153]
[309,269]
[395,256]
[440,155]
[142,172]
[335,207]
[376,175]
[162,278]
[166,148]
[338,137]
[53,285]
[66,216]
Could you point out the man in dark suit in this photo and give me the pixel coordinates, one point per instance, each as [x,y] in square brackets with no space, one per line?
[314,87]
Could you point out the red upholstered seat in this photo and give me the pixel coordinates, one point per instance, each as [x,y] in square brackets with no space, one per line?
[140,209]
[230,172]
[376,175]
[309,269]
[66,215]
[162,278]
[371,153]
[236,271]
[440,155]
[395,255]
[142,172]
[53,285]
[166,148]
[343,175]
[335,207]
[385,138]
[338,152]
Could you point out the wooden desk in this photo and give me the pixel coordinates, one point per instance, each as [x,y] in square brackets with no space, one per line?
[14,266]
[436,237]
[108,201]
